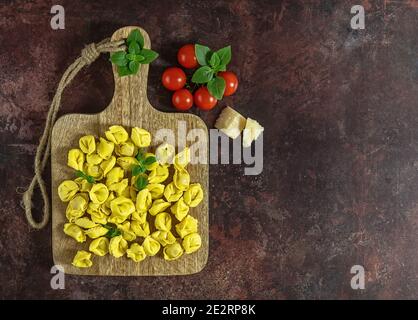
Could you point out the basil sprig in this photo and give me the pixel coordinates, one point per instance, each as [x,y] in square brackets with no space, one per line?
[81,174]
[211,63]
[128,62]
[113,231]
[139,169]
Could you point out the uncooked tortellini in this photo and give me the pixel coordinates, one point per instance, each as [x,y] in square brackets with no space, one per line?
[181,179]
[121,208]
[187,226]
[164,237]
[96,232]
[141,137]
[77,206]
[82,259]
[165,153]
[75,159]
[118,246]
[180,209]
[98,193]
[143,200]
[140,229]
[158,206]
[99,246]
[151,246]
[163,221]
[192,242]
[194,195]
[173,251]
[116,134]
[75,232]
[67,190]
[136,252]
[156,190]
[87,144]
[105,148]
[171,193]
[158,174]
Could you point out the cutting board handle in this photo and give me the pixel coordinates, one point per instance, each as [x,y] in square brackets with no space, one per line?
[130,91]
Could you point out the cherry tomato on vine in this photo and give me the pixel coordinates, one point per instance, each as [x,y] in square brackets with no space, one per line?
[203,99]
[231,82]
[186,56]
[173,78]
[182,99]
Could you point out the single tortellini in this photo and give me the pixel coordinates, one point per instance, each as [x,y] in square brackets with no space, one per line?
[87,144]
[115,175]
[180,209]
[98,215]
[82,259]
[182,159]
[98,193]
[118,246]
[140,229]
[151,246]
[163,221]
[156,190]
[187,226]
[126,163]
[105,148]
[192,242]
[121,208]
[127,233]
[75,232]
[96,232]
[173,251]
[194,195]
[127,149]
[85,223]
[83,184]
[77,206]
[164,237]
[165,153]
[107,165]
[109,199]
[94,158]
[158,206]
[94,170]
[75,159]
[140,217]
[143,200]
[158,174]
[100,246]
[67,190]
[120,187]
[181,179]
[153,165]
[171,193]
[116,134]
[136,252]
[141,137]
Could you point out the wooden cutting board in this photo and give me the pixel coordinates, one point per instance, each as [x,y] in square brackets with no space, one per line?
[129,107]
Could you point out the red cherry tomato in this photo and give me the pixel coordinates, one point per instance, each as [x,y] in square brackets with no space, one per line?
[182,99]
[231,82]
[187,57]
[203,99]
[173,78]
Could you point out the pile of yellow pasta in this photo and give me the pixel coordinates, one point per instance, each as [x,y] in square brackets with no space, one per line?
[118,217]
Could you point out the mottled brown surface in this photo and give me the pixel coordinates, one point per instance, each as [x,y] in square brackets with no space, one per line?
[339,185]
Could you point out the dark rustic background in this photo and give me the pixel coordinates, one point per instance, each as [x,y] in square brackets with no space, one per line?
[339,185]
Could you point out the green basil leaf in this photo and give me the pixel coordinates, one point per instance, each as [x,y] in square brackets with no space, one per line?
[221,67]
[79,174]
[214,60]
[139,58]
[149,56]
[149,160]
[124,71]
[225,55]
[134,48]
[141,182]
[136,36]
[201,54]
[203,75]
[119,58]
[113,232]
[90,179]
[216,87]
[140,155]
[137,170]
[130,56]
[134,66]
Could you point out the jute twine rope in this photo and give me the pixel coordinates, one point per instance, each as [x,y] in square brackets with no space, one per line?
[88,55]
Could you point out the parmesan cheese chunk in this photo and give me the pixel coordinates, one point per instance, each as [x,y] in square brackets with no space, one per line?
[230,122]
[251,132]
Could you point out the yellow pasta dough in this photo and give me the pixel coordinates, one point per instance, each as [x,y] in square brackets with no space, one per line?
[96,232]
[158,174]
[140,217]
[114,175]
[181,179]
[182,159]
[67,190]
[120,187]
[141,137]
[116,134]
[192,242]
[140,229]
[126,149]
[75,159]
[143,200]
[98,193]
[171,193]
[75,232]
[165,153]
[85,223]
[180,209]
[163,221]
[156,190]
[158,206]
[173,251]
[107,165]
[83,184]
[94,170]
[121,208]
[87,144]
[105,148]
[94,158]
[151,246]
[126,163]
[99,246]
[118,246]
[127,233]
[77,206]
[194,195]
[187,226]
[82,259]
[164,237]
[136,252]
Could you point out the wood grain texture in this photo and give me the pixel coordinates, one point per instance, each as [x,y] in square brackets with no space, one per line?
[129,107]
